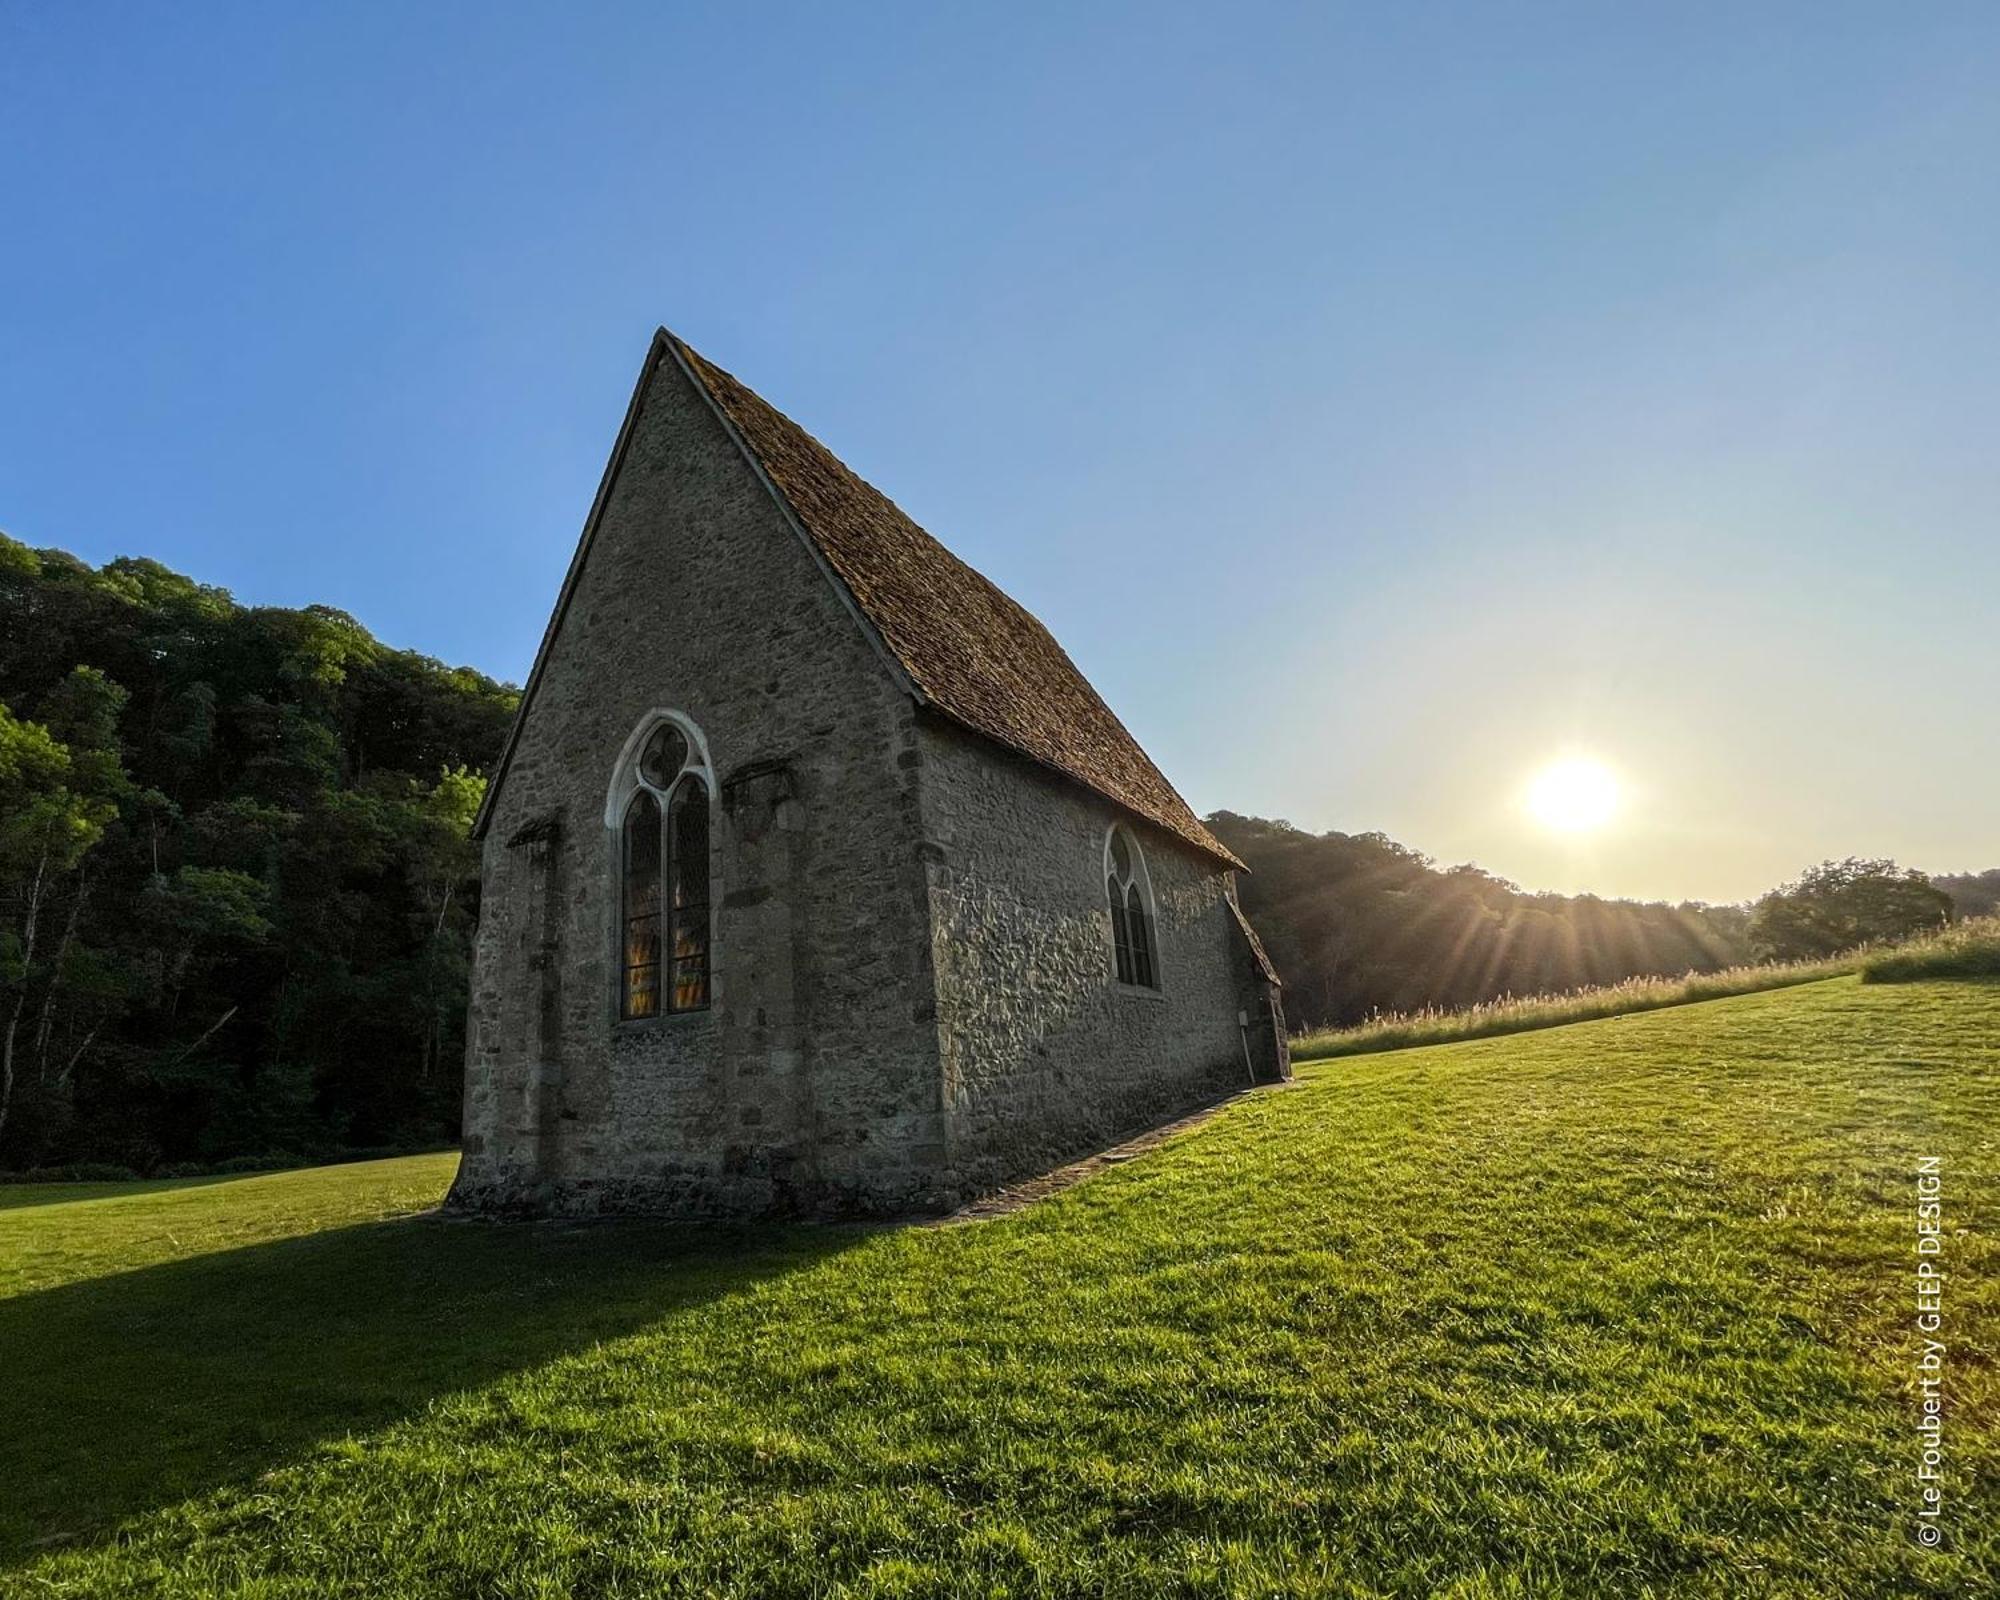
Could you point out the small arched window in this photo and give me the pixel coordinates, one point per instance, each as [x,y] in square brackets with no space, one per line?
[1134,941]
[663,911]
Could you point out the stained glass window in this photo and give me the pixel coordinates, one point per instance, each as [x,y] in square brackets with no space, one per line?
[641,924]
[687,877]
[664,926]
[1121,932]
[1134,958]
[1142,940]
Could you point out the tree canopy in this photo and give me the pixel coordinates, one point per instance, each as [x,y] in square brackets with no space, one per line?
[1840,904]
[1358,924]
[236,893]
[1973,894]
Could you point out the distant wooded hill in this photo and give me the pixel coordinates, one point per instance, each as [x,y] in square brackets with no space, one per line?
[1358,924]
[235,887]
[1975,894]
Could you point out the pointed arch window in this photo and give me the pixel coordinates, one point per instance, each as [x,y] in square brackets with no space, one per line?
[663,901]
[1134,931]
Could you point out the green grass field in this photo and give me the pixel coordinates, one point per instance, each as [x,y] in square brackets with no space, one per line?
[1623,1308]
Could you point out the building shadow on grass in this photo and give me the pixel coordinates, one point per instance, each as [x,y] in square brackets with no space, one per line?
[125,1393]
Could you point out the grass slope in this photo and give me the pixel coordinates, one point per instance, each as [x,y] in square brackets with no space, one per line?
[1620,1308]
[1400,1030]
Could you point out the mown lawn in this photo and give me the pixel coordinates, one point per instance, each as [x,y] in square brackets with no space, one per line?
[1616,1309]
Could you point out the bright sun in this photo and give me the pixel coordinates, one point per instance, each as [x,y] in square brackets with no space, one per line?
[1573,795]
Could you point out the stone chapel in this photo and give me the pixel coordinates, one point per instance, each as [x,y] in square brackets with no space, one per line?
[816,879]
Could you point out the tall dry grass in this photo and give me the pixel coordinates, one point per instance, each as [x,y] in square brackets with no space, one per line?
[1397,1030]
[1970,949]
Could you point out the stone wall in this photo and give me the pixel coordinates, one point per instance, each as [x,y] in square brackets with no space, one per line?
[811,1083]
[1045,1055]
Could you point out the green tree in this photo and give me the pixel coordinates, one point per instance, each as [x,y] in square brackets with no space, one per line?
[54,809]
[1840,904]
[263,945]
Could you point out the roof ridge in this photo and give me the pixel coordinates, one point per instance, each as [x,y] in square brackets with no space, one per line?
[1025,693]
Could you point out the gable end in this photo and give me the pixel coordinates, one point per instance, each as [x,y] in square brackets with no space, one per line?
[664,345]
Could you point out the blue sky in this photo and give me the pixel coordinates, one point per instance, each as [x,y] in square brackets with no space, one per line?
[1378,402]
